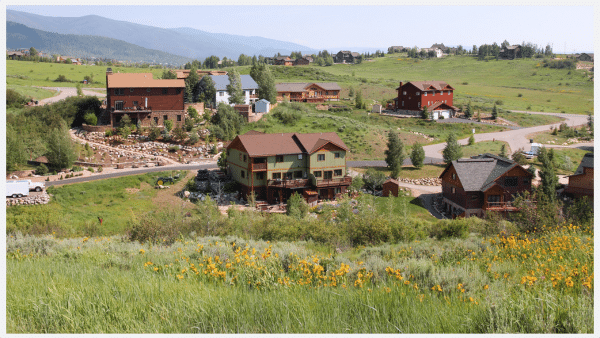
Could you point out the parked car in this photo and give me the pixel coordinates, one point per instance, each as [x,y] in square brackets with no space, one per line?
[37,186]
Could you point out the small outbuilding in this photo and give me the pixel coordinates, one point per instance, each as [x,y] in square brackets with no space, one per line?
[262,106]
[391,186]
[376,108]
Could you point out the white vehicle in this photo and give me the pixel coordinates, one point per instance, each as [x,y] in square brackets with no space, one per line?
[37,186]
[17,189]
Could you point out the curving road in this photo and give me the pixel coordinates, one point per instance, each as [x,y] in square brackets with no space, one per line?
[516,139]
[65,92]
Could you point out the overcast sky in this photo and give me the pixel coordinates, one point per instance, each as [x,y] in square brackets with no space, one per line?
[566,28]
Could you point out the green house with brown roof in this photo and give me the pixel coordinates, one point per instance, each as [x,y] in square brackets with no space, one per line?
[274,166]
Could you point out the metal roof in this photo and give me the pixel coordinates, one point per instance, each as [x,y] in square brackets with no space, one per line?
[221,82]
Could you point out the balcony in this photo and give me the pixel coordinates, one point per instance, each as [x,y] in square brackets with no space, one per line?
[334,182]
[259,166]
[289,183]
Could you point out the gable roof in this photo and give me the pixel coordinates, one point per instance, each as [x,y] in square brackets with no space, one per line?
[301,86]
[260,144]
[221,82]
[441,105]
[140,80]
[479,173]
[586,162]
[429,85]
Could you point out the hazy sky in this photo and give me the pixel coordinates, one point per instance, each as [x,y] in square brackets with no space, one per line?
[566,28]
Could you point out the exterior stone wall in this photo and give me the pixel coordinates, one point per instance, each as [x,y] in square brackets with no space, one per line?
[29,200]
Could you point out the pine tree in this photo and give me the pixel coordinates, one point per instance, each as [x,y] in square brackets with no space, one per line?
[548,177]
[469,111]
[191,83]
[452,151]
[358,100]
[394,155]
[495,112]
[471,140]
[417,155]
[234,88]
[503,151]
[424,113]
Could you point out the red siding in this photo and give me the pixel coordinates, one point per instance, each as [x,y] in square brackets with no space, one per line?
[156,99]
[412,101]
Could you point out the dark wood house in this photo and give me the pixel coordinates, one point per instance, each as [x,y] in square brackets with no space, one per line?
[581,183]
[510,52]
[487,182]
[346,56]
[283,61]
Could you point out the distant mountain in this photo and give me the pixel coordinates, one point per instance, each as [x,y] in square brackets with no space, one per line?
[21,36]
[186,42]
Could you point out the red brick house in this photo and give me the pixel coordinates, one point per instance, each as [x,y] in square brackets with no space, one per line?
[144,99]
[581,183]
[308,92]
[487,182]
[435,95]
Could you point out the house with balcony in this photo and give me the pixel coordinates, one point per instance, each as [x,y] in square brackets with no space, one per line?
[437,96]
[473,186]
[249,88]
[274,166]
[308,92]
[581,183]
[144,99]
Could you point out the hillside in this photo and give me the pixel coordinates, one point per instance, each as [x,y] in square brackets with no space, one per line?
[185,42]
[21,36]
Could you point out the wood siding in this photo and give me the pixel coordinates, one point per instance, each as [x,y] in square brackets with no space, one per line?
[412,101]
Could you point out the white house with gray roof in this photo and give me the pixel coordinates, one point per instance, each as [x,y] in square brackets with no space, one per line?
[249,86]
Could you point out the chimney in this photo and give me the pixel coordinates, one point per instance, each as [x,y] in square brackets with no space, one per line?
[108,71]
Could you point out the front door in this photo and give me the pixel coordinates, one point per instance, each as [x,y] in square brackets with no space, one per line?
[119,105]
[328,175]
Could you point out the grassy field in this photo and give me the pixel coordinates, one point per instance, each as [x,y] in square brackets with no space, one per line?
[427,171]
[33,92]
[530,120]
[492,147]
[516,284]
[566,160]
[75,208]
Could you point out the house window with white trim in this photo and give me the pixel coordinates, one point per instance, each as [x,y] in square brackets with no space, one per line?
[221,93]
[425,94]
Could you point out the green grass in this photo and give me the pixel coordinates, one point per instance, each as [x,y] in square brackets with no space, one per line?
[566,160]
[530,120]
[492,147]
[74,208]
[108,285]
[397,205]
[43,74]
[427,171]
[33,92]
[546,137]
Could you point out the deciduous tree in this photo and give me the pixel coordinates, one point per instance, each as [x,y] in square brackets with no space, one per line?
[234,88]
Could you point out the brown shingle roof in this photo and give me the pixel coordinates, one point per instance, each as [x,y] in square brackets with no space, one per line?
[425,85]
[140,80]
[257,144]
[301,86]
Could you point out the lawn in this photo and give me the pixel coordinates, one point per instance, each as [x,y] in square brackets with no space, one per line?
[74,208]
[530,120]
[492,147]
[561,138]
[410,172]
[33,92]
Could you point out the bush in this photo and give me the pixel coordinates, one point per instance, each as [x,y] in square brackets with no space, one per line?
[173,149]
[41,169]
[90,119]
[450,229]
[108,133]
[14,99]
[61,78]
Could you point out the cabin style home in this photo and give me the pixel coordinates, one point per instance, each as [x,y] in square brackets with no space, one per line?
[308,92]
[510,52]
[283,61]
[144,99]
[274,166]
[184,73]
[473,186]
[581,183]
[346,56]
[437,96]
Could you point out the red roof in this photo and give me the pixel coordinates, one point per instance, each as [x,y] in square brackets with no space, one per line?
[140,80]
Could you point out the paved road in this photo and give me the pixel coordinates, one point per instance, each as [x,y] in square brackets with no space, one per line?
[516,139]
[457,120]
[128,172]
[65,92]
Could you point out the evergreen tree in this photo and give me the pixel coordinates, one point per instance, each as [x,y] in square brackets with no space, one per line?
[358,100]
[590,122]
[471,140]
[191,83]
[168,74]
[452,151]
[417,155]
[503,151]
[469,111]
[495,112]
[424,113]
[394,155]
[234,88]
[207,90]
[548,177]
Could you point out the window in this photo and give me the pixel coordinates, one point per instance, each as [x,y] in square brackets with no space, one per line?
[511,181]
[337,155]
[244,158]
[493,198]
[244,93]
[404,92]
[337,172]
[131,90]
[221,93]
[260,176]
[165,117]
[156,119]
[178,91]
[328,175]
[338,190]
[453,189]
[119,105]
[178,118]
[298,174]
[288,175]
[148,90]
[425,94]
[526,181]
[474,197]
[276,176]
[402,103]
[243,173]
[299,156]
[419,104]
[317,174]
[119,91]
[135,103]
[165,91]
[321,157]
[418,93]
[279,158]
[453,176]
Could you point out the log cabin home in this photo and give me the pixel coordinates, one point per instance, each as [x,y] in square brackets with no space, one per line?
[308,92]
[581,183]
[144,99]
[473,186]
[437,96]
[274,166]
[283,61]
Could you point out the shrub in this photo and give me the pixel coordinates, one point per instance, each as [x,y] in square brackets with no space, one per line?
[173,149]
[61,78]
[14,99]
[519,95]
[108,133]
[41,169]
[297,206]
[449,229]
[90,119]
